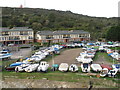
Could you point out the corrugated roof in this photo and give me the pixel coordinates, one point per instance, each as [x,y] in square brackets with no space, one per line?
[62,32]
[16,29]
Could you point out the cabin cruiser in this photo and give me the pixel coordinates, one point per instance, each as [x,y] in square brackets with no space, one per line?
[43,67]
[85,67]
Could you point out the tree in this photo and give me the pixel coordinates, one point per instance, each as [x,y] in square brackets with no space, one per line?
[113,33]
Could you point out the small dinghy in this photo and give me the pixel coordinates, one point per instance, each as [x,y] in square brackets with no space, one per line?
[31,67]
[104,72]
[63,67]
[85,67]
[73,68]
[43,67]
[96,67]
[112,73]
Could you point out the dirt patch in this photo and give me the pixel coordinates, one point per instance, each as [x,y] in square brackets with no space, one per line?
[67,56]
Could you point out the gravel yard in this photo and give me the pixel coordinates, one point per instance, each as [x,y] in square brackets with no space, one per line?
[67,56]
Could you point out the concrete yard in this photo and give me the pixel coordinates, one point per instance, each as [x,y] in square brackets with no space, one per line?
[23,53]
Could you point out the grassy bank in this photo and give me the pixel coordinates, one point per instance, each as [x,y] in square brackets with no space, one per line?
[106,57]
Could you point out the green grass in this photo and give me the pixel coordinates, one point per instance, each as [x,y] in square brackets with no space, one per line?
[59,76]
[106,57]
[115,48]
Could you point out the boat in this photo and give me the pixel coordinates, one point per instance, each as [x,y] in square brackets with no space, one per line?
[43,67]
[84,59]
[116,66]
[85,67]
[96,67]
[112,73]
[12,68]
[21,68]
[5,54]
[104,72]
[106,66]
[63,67]
[31,67]
[16,64]
[73,68]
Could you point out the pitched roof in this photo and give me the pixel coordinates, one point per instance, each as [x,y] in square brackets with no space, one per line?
[15,29]
[62,32]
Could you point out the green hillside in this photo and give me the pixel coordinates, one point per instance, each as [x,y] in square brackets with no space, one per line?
[44,19]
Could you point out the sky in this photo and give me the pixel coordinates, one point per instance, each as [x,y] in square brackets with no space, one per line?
[97,8]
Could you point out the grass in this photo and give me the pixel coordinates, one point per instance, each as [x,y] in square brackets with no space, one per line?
[115,48]
[106,57]
[59,76]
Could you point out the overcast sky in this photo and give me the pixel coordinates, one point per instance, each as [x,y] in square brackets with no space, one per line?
[98,8]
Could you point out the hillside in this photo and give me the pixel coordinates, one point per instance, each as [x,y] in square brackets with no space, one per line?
[44,19]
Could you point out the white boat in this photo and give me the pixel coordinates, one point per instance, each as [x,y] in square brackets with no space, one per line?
[85,67]
[31,67]
[43,66]
[96,67]
[101,48]
[5,54]
[63,67]
[73,68]
[116,66]
[104,72]
[21,68]
[112,73]
[84,59]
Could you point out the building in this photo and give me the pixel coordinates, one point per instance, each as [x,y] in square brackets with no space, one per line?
[16,35]
[62,36]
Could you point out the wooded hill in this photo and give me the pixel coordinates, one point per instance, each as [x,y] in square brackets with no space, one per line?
[44,19]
